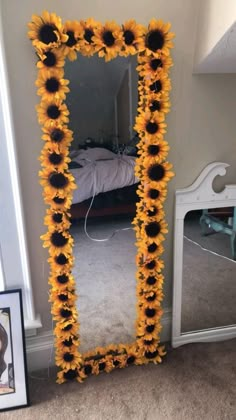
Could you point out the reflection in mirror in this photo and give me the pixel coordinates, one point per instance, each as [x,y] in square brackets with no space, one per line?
[103,104]
[209,287]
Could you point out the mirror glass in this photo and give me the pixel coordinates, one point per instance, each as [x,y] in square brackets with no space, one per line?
[103,104]
[209,286]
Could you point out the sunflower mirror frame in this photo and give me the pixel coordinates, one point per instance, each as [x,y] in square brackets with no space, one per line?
[54,42]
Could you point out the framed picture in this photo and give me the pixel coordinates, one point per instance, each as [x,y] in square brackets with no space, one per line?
[13,369]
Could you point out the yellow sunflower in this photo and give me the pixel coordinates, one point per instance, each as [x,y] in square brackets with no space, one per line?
[57,240]
[58,134]
[55,157]
[149,67]
[108,40]
[150,125]
[86,43]
[67,329]
[148,331]
[149,249]
[61,281]
[73,30]
[71,343]
[57,219]
[158,38]
[151,314]
[46,31]
[143,274]
[151,194]
[149,282]
[133,38]
[154,230]
[160,173]
[54,181]
[53,58]
[148,345]
[155,356]
[52,85]
[155,152]
[133,355]
[64,296]
[64,313]
[60,200]
[161,85]
[52,112]
[155,103]
[68,359]
[151,213]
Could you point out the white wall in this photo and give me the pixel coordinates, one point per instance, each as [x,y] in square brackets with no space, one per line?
[201,125]
[215,18]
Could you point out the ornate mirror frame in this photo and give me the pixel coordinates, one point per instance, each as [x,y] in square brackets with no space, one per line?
[200,195]
[54,42]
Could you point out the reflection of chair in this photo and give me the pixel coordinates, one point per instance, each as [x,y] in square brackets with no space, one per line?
[222,220]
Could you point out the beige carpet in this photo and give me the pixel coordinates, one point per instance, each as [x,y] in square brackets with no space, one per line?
[105,277]
[195,382]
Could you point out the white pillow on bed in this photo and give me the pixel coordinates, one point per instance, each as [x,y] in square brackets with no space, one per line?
[96,153]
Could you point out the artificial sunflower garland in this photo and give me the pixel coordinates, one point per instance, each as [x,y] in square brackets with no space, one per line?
[54,42]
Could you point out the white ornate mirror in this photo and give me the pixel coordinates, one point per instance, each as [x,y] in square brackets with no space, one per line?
[204,292]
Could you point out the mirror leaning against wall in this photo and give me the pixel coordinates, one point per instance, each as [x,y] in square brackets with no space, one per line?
[204,261]
[100,173]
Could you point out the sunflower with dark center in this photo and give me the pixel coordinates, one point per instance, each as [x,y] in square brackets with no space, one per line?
[57,135]
[57,199]
[108,40]
[68,360]
[158,38]
[57,241]
[62,312]
[151,280]
[149,66]
[155,230]
[55,157]
[58,297]
[65,329]
[160,173]
[50,59]
[159,86]
[46,31]
[53,111]
[61,282]
[52,85]
[149,331]
[85,42]
[150,125]
[71,46]
[133,38]
[54,181]
[156,102]
[151,194]
[57,219]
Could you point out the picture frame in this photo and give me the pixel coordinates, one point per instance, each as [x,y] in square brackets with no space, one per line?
[13,366]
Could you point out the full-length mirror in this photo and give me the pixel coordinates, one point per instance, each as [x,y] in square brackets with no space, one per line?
[209,268]
[104,176]
[102,102]
[204,261]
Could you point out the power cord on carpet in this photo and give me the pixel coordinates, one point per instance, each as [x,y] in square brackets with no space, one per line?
[208,250]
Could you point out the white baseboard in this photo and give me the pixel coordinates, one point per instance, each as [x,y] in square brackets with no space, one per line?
[40,348]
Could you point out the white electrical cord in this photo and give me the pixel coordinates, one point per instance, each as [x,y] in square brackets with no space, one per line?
[208,250]
[86,217]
